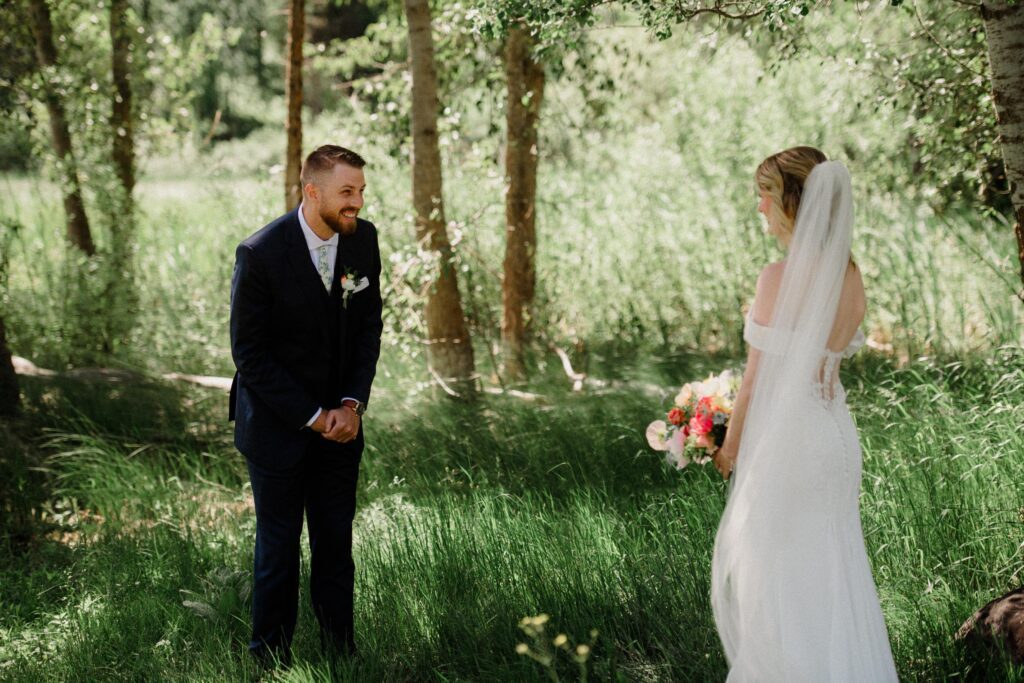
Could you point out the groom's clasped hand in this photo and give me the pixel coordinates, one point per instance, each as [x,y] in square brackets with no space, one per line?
[340,424]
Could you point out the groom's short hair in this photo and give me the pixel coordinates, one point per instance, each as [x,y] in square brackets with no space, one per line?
[326,157]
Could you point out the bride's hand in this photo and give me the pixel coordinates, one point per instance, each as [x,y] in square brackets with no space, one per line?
[725,460]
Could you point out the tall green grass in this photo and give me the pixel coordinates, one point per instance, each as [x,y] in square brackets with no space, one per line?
[472,518]
[608,280]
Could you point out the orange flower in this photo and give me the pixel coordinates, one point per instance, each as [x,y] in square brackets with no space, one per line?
[676,416]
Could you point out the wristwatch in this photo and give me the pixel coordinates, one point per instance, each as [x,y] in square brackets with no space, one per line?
[358,407]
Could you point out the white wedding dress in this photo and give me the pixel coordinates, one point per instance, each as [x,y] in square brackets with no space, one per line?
[792,590]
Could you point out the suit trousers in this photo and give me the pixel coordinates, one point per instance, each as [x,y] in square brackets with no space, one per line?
[323,485]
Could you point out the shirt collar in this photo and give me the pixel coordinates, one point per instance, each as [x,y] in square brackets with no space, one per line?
[312,241]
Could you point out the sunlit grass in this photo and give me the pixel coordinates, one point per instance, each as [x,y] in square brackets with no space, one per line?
[472,518]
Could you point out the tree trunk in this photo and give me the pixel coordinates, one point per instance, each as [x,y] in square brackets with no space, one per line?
[9,396]
[293,87]
[120,293]
[1004,31]
[450,352]
[121,124]
[46,54]
[525,92]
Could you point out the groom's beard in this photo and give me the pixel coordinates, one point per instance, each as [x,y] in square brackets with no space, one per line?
[343,225]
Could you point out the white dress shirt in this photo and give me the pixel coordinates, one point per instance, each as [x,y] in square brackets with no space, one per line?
[314,243]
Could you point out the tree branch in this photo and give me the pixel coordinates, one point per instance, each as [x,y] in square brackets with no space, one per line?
[718,9]
[945,50]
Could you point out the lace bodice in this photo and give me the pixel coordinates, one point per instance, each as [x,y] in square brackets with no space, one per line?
[826,385]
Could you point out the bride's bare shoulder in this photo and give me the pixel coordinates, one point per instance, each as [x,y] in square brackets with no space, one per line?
[768,283]
[771,275]
[854,287]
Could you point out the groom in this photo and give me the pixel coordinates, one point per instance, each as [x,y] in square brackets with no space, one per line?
[305,338]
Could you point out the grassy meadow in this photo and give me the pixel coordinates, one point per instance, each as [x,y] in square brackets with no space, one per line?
[472,518]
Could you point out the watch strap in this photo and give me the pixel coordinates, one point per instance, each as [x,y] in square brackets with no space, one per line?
[357,406]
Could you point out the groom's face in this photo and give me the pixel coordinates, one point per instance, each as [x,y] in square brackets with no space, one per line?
[340,197]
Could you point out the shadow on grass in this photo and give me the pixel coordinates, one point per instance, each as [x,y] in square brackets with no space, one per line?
[505,444]
[127,404]
[115,607]
[87,440]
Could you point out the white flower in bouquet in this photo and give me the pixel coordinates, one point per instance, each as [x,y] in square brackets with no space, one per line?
[684,395]
[656,433]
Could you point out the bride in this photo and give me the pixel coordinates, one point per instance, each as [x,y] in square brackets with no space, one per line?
[791,587]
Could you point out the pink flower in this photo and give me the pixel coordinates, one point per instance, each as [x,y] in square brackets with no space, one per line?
[704,405]
[700,424]
[675,445]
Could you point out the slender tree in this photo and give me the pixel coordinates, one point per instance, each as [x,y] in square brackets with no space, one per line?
[450,352]
[46,55]
[9,395]
[1004,31]
[120,292]
[293,85]
[525,82]
[121,123]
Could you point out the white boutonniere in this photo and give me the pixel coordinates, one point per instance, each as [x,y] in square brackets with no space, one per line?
[351,283]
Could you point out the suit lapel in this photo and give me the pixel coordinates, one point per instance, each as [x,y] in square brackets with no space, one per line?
[339,270]
[349,255]
[306,274]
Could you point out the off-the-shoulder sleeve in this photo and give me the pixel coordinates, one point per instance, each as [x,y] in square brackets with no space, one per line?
[762,337]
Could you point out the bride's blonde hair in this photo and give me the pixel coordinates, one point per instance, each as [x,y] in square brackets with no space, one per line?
[781,176]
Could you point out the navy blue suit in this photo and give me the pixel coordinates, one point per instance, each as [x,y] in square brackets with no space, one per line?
[297,348]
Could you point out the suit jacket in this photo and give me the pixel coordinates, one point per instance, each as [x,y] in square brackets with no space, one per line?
[297,347]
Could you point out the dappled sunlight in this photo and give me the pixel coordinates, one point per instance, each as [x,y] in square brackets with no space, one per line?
[513,521]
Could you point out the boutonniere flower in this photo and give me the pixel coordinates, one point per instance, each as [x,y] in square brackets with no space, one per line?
[350,284]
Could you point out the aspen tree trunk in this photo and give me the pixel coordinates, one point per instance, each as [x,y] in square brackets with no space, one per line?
[450,352]
[120,291]
[525,79]
[1004,32]
[293,87]
[123,150]
[78,232]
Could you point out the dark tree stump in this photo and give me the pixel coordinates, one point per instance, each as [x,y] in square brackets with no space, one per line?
[1000,622]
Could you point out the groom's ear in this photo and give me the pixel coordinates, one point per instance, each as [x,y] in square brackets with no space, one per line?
[310,190]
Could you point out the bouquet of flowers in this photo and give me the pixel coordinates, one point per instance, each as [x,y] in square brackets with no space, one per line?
[695,425]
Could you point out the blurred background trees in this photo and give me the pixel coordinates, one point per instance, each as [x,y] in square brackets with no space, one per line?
[97,97]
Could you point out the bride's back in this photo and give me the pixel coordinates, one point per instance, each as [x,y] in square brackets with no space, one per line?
[850,312]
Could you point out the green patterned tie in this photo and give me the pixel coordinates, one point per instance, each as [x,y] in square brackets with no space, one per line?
[324,268]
